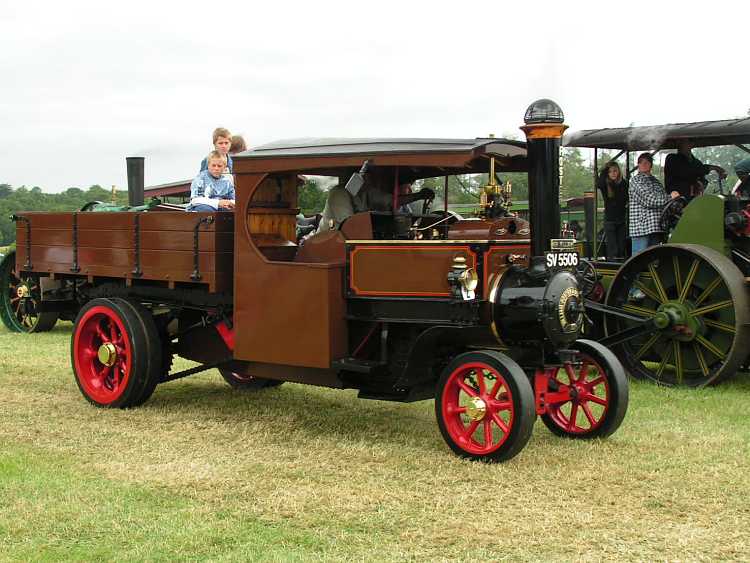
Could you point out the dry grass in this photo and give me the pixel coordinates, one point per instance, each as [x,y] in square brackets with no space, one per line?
[299,473]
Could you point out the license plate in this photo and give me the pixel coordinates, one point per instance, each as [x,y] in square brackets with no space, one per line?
[561,259]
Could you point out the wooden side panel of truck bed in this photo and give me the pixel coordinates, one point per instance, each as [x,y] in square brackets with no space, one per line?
[153,245]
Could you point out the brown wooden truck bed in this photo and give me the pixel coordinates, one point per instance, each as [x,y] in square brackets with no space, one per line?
[153,245]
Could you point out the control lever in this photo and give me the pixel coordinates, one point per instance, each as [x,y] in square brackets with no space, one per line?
[357,180]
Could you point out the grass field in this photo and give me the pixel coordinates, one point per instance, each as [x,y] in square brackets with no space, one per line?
[298,473]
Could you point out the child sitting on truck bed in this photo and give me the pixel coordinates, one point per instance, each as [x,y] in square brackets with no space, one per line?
[211,191]
[222,139]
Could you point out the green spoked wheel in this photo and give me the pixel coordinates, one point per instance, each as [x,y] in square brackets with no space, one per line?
[20,300]
[688,315]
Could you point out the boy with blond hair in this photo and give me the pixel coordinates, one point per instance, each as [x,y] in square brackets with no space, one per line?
[212,191]
[222,139]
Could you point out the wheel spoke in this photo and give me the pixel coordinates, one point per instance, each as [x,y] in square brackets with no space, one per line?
[466,435]
[713,307]
[595,399]
[495,388]
[710,347]
[468,389]
[635,309]
[657,283]
[497,406]
[648,291]
[480,381]
[112,332]
[103,373]
[100,332]
[487,432]
[584,371]
[571,372]
[663,363]
[647,345]
[689,280]
[573,416]
[677,278]
[599,380]
[500,422]
[701,360]
[455,409]
[677,360]
[589,414]
[721,326]
[708,291]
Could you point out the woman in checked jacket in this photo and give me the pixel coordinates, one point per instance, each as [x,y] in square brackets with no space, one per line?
[647,198]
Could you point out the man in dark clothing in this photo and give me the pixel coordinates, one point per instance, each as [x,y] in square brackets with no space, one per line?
[686,174]
[742,187]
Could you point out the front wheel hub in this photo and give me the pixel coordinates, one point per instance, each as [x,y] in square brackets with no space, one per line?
[107,354]
[476,409]
[22,291]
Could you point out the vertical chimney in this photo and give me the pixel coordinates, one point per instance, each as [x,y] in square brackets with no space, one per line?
[544,128]
[135,180]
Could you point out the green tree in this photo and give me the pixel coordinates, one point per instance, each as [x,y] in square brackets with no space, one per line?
[311,199]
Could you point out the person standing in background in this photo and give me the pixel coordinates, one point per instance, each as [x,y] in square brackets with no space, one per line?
[614,191]
[647,199]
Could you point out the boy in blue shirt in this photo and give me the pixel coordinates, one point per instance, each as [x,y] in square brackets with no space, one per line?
[212,191]
[222,142]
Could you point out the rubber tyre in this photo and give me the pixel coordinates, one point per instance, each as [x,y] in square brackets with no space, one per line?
[617,395]
[155,352]
[247,382]
[520,416]
[113,321]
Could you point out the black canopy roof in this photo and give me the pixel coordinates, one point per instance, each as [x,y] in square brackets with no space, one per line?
[310,147]
[651,137]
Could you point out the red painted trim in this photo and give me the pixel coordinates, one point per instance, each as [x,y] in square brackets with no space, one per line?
[226,333]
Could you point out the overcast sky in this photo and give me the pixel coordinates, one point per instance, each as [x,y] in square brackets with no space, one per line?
[85,84]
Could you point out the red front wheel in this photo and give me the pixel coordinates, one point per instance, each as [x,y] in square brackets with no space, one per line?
[485,406]
[115,362]
[587,397]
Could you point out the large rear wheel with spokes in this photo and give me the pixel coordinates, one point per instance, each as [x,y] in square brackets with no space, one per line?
[21,299]
[685,315]
[484,406]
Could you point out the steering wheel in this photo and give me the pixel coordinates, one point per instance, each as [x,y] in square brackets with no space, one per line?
[671,214]
[587,277]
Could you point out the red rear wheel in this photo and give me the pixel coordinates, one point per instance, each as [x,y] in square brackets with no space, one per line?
[111,355]
[596,391]
[484,406]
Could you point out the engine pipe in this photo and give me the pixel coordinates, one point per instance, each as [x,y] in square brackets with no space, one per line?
[136,180]
[544,129]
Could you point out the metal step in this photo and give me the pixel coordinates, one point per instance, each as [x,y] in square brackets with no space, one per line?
[358,366]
